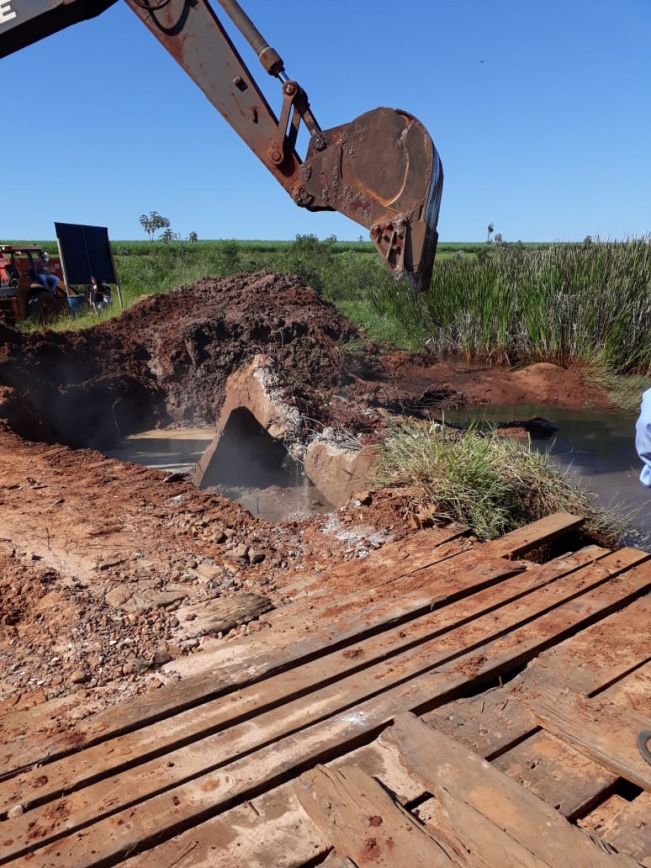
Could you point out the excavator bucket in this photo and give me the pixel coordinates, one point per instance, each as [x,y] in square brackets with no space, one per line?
[383,171]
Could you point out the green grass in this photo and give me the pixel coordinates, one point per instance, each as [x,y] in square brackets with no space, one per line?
[563,303]
[492,484]
[510,303]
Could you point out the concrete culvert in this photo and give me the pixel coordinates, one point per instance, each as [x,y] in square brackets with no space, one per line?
[247,455]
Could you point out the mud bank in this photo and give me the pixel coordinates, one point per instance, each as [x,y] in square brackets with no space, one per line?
[167,359]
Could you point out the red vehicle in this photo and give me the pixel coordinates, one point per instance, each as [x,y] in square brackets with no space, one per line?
[21,294]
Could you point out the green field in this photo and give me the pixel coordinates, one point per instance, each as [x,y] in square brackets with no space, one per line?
[512,303]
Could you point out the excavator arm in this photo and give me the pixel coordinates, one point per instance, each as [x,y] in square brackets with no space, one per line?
[381,170]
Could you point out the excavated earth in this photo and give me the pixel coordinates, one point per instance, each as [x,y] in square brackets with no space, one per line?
[109,570]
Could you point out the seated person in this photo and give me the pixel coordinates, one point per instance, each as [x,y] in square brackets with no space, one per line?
[100,293]
[643,438]
[47,280]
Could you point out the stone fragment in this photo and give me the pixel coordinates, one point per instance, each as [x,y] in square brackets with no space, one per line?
[240,552]
[256,557]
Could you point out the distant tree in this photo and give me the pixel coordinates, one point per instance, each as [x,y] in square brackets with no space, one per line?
[167,235]
[498,238]
[193,237]
[587,240]
[152,222]
[491,229]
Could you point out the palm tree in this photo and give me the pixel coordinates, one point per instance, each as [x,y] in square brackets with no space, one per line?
[491,229]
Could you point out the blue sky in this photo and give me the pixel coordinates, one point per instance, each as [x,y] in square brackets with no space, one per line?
[540,111]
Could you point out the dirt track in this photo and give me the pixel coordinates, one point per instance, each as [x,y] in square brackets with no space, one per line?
[107,570]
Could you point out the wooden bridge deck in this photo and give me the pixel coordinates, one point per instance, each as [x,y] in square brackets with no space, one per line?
[355,730]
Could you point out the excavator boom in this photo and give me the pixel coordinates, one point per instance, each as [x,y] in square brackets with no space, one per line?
[380,170]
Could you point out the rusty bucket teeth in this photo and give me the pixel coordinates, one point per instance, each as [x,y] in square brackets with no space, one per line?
[383,171]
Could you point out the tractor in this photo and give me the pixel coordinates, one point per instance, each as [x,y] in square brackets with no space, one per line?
[22,296]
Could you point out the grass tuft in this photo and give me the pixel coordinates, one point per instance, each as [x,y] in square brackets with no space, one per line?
[492,484]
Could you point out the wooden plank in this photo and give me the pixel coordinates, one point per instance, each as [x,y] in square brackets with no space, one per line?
[451,628]
[555,772]
[601,816]
[363,823]
[271,829]
[32,749]
[606,735]
[496,720]
[280,825]
[535,534]
[288,623]
[289,629]
[550,768]
[392,560]
[629,829]
[488,811]
[342,598]
[633,691]
[384,566]
[39,741]
[369,603]
[140,826]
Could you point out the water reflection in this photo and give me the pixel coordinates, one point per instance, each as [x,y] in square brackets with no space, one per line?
[598,447]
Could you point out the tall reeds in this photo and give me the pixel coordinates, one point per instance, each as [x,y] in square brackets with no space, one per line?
[561,303]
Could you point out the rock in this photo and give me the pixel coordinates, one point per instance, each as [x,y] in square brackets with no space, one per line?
[160,658]
[79,677]
[118,596]
[336,468]
[16,811]
[129,668]
[256,557]
[240,552]
[208,572]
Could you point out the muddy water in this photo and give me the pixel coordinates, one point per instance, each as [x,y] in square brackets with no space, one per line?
[173,451]
[596,446]
[285,493]
[277,502]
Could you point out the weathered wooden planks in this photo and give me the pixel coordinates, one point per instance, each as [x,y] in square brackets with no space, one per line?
[628,828]
[602,733]
[491,819]
[556,773]
[518,599]
[282,829]
[452,586]
[191,802]
[30,749]
[495,721]
[363,823]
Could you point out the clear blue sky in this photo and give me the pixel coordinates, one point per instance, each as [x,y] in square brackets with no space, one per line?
[541,112]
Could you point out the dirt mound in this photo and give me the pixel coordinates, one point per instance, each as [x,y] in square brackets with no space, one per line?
[167,358]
